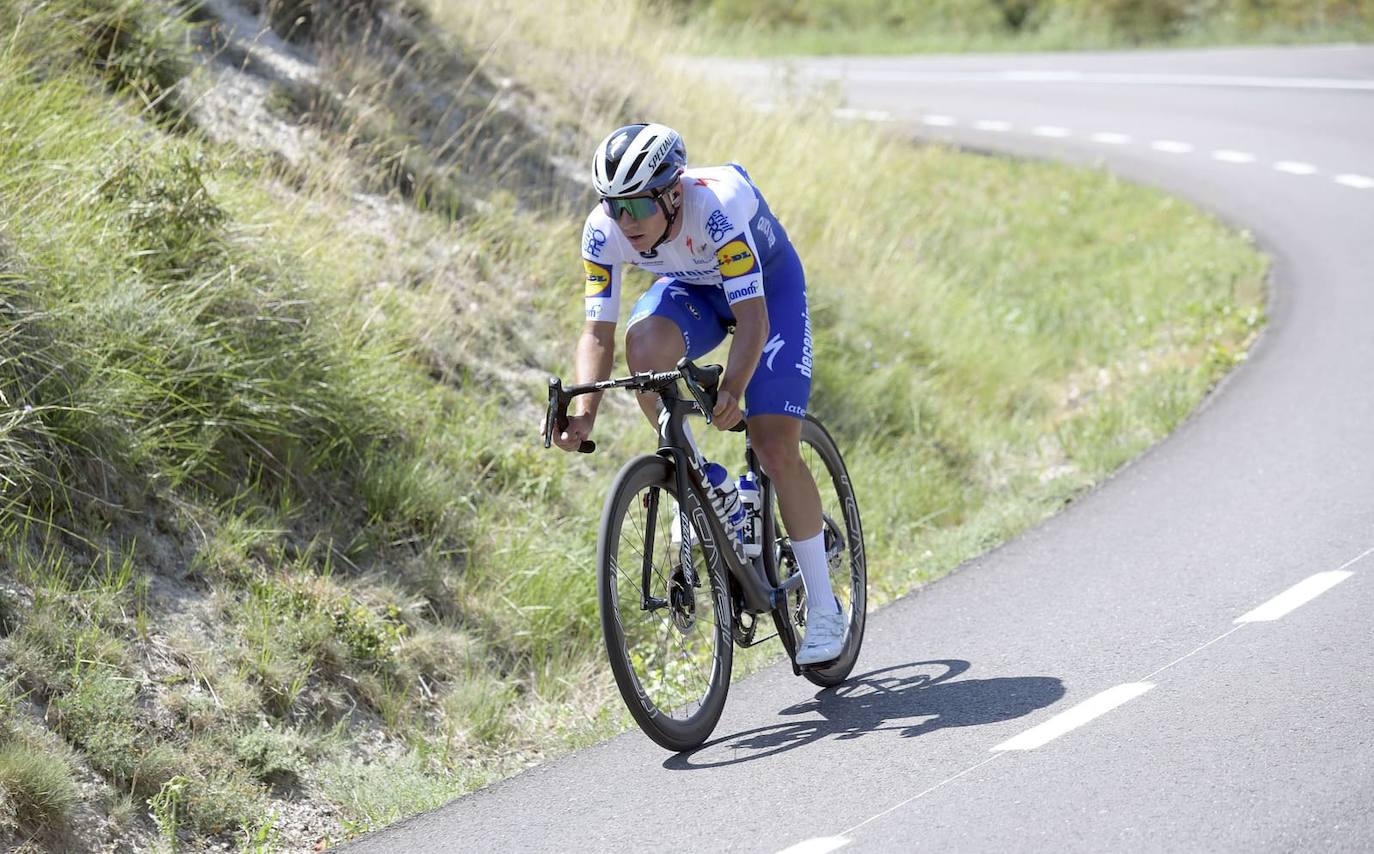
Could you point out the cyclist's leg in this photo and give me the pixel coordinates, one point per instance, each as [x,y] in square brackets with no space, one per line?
[776,400]
[669,321]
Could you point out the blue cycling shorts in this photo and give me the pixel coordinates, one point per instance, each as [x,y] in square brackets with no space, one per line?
[781,384]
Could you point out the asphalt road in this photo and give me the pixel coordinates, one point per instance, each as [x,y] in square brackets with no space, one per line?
[1104,681]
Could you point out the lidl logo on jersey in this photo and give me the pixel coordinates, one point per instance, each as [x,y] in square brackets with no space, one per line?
[735,259]
[598,279]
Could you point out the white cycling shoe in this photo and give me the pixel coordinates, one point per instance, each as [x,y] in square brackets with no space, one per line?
[824,639]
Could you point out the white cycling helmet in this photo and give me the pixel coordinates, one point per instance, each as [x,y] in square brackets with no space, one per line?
[638,158]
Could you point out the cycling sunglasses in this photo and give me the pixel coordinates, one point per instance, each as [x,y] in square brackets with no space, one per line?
[639,207]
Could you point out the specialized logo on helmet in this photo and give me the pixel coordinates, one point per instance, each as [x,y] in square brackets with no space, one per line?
[598,279]
[735,259]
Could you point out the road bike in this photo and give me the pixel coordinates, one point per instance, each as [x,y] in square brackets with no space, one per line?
[673,605]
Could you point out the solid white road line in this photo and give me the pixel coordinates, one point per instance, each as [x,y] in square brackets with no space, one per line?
[1359,182]
[992,124]
[1296,596]
[1093,707]
[1171,146]
[1226,155]
[1110,138]
[918,795]
[1294,167]
[1052,131]
[939,121]
[819,845]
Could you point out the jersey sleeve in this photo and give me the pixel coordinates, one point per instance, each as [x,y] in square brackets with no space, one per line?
[601,293]
[737,253]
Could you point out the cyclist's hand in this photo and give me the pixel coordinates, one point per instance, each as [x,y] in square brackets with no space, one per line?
[579,428]
[726,413]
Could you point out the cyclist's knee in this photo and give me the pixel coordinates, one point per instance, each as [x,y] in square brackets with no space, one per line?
[653,344]
[779,451]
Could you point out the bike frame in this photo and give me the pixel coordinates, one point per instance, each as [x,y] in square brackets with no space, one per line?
[759,595]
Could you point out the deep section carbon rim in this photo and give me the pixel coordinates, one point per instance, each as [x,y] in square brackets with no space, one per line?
[669,640]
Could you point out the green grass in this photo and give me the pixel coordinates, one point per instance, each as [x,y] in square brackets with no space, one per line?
[275,515]
[820,27]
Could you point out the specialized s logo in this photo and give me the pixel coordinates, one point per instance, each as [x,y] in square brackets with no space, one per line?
[598,279]
[772,348]
[594,241]
[735,259]
[718,225]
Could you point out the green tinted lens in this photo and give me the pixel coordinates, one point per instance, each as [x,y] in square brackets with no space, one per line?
[639,207]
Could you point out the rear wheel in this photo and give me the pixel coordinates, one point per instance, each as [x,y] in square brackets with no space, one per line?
[667,627]
[844,548]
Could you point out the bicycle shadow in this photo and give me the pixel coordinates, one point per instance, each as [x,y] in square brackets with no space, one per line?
[913,699]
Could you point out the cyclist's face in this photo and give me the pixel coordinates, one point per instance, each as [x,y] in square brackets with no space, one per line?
[643,233]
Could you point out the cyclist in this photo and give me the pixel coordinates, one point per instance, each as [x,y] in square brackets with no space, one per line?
[723,260]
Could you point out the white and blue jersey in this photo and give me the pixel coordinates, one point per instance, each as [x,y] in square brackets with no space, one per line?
[730,248]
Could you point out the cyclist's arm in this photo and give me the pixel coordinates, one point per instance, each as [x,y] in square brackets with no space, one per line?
[751,333]
[592,363]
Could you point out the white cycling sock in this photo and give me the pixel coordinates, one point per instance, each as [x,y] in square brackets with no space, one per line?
[820,598]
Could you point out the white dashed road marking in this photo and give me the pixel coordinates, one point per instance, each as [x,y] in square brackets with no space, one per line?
[992,124]
[869,115]
[1098,705]
[819,845]
[1084,712]
[939,121]
[1296,596]
[1110,138]
[1293,167]
[1053,131]
[1231,80]
[1171,146]
[1359,182]
[1226,155]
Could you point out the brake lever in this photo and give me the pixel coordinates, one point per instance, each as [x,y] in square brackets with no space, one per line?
[689,371]
[557,416]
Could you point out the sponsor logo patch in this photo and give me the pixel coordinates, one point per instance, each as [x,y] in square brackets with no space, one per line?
[792,409]
[765,227]
[594,241]
[750,290]
[804,366]
[598,279]
[772,348]
[735,259]
[719,225]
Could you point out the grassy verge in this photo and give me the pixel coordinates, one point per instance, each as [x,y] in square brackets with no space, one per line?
[282,561]
[819,27]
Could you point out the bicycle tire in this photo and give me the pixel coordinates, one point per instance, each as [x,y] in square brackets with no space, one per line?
[840,510]
[658,659]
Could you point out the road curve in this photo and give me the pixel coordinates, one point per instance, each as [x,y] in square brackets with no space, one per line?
[1183,659]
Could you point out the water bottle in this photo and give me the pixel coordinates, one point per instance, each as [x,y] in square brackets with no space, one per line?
[751,500]
[725,499]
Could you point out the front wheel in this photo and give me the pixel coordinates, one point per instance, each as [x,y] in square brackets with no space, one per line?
[844,550]
[667,626]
